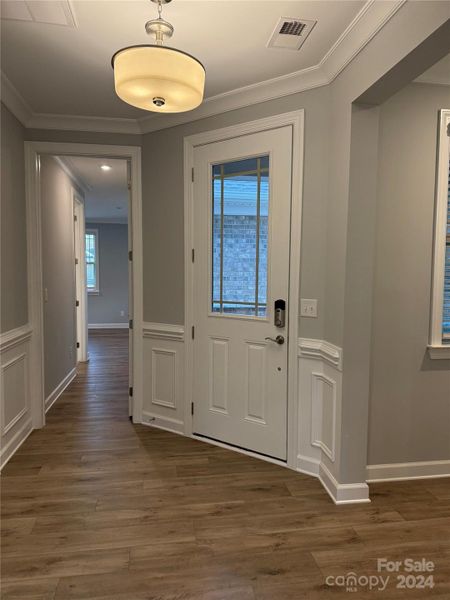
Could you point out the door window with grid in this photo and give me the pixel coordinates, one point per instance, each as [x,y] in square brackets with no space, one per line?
[240,215]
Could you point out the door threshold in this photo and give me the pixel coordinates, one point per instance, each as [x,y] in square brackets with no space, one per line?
[233,447]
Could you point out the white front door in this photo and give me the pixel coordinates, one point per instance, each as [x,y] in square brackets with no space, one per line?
[242,214]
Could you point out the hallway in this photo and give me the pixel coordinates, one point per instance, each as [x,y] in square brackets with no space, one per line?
[94,507]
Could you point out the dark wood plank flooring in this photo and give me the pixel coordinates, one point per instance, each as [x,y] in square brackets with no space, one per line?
[94,507]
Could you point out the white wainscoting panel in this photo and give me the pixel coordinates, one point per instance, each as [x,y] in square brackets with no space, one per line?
[323,413]
[163,397]
[15,413]
[164,383]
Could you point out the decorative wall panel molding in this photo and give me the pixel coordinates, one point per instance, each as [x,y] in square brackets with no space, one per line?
[319,423]
[14,391]
[163,374]
[15,409]
[164,382]
[323,414]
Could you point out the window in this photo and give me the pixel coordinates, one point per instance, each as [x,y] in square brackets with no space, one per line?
[92,260]
[240,202]
[446,315]
[440,305]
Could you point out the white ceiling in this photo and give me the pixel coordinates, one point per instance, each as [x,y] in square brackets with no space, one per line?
[105,192]
[67,70]
[56,54]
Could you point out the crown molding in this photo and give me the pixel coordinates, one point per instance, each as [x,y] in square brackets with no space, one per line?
[366,24]
[285,85]
[79,123]
[12,99]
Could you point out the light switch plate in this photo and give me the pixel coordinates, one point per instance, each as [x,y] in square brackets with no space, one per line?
[308,307]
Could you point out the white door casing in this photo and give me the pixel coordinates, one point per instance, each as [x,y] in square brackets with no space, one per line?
[130,292]
[80,278]
[239,376]
[33,150]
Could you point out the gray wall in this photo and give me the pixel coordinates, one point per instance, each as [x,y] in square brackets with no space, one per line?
[112,298]
[163,205]
[58,273]
[14,306]
[410,394]
[388,49]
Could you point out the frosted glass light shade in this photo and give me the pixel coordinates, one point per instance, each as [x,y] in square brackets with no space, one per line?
[158,78]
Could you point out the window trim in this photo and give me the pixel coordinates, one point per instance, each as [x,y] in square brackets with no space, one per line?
[96,290]
[437,348]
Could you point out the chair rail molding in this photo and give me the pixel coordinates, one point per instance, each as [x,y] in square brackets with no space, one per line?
[321,350]
[108,325]
[163,331]
[16,336]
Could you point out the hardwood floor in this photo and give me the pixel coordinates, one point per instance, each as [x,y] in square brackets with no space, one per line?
[94,507]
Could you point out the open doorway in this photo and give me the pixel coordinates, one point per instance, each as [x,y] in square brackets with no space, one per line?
[104,279]
[86,242]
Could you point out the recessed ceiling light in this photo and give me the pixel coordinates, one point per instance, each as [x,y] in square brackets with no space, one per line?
[105,168]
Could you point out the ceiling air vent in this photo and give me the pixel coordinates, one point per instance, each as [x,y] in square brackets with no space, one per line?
[290,33]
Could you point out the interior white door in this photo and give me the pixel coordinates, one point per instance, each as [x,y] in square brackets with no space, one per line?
[242,213]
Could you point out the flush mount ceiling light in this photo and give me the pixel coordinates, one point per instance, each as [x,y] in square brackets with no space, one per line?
[158,78]
[105,168]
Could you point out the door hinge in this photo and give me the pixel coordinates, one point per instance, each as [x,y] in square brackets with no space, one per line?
[77,303]
[78,344]
[192,408]
[130,324]
[192,174]
[193,332]
[193,255]
[130,254]
[76,261]
[75,218]
[130,391]
[129,185]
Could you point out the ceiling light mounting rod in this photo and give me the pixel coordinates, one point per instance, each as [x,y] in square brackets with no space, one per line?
[159,27]
[156,77]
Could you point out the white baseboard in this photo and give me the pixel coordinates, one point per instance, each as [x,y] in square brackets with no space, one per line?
[308,465]
[14,443]
[108,326]
[50,401]
[410,470]
[343,493]
[166,423]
